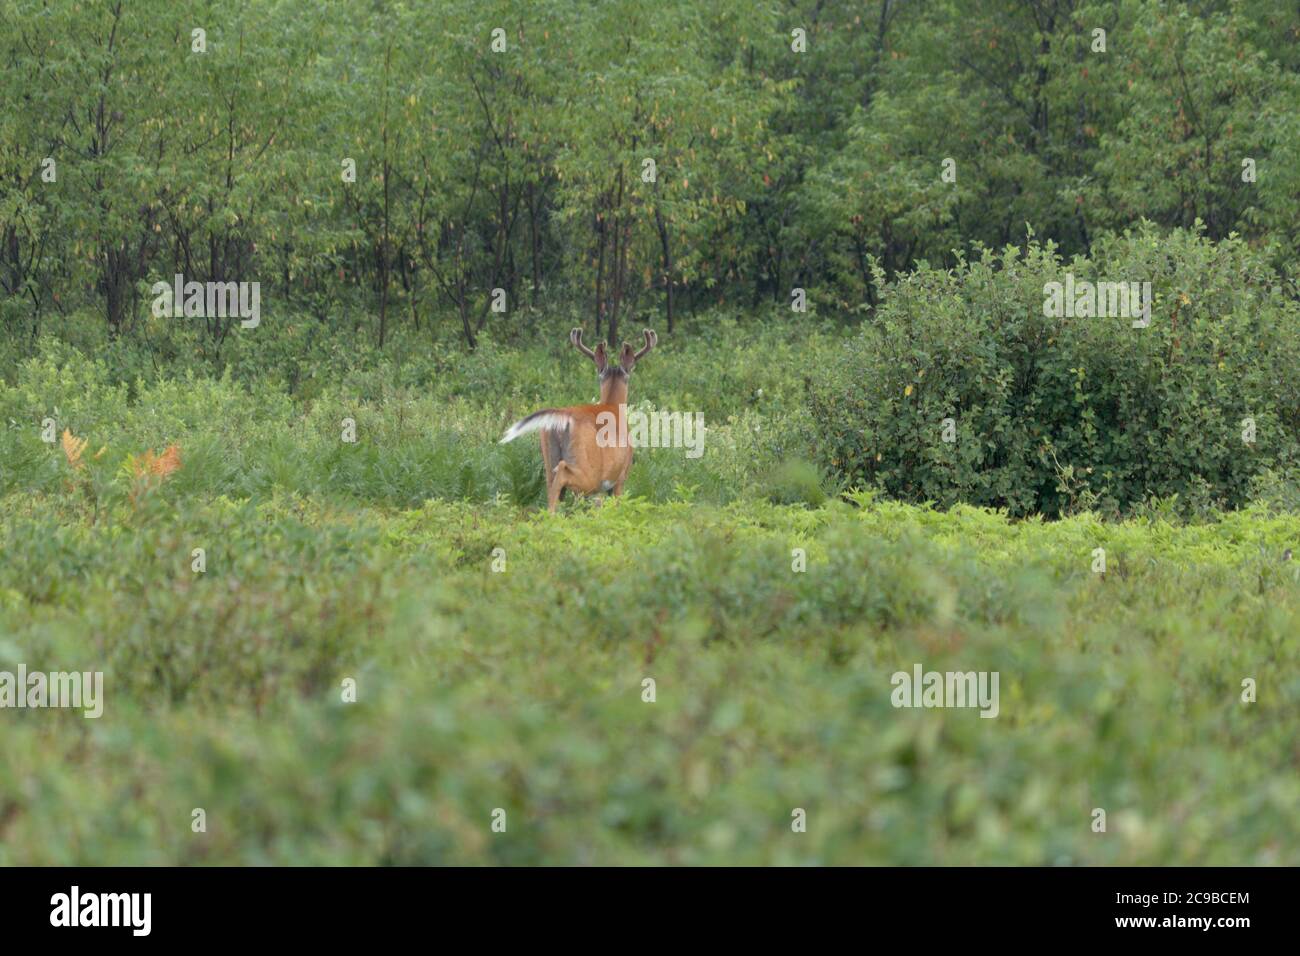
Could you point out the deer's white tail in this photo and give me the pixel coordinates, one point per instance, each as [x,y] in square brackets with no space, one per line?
[546,418]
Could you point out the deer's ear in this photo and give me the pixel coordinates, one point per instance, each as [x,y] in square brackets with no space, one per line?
[601,357]
[627,358]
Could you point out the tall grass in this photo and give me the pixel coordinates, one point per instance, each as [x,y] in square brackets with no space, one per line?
[499,652]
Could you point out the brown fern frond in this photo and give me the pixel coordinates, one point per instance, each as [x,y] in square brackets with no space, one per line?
[72,448]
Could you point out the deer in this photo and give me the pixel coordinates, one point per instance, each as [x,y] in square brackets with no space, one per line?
[577,450]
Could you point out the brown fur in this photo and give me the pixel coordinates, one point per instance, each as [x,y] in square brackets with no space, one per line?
[580,463]
[573,457]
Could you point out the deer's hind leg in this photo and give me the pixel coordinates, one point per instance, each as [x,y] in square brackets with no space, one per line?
[622,478]
[548,460]
[555,448]
[554,491]
[581,476]
[563,476]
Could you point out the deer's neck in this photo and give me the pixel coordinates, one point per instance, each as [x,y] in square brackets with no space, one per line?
[613,393]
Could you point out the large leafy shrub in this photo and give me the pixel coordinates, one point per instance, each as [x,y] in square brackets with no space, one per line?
[1050,413]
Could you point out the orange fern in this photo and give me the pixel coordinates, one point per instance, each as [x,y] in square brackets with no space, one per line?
[72,449]
[150,465]
[168,462]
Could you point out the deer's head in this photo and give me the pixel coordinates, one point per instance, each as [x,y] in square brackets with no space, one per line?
[613,378]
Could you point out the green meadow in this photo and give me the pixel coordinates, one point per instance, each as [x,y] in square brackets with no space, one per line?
[990,310]
[499,653]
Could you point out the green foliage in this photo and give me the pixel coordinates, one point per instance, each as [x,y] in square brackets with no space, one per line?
[522,689]
[1051,413]
[427,422]
[518,160]
[768,587]
[797,481]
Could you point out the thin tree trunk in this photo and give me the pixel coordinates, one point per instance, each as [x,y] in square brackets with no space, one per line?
[668,265]
[532,228]
[600,271]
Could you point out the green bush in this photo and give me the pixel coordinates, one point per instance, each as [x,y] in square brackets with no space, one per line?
[1052,414]
[522,689]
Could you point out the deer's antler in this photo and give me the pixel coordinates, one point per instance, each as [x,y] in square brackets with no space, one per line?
[651,340]
[598,356]
[575,338]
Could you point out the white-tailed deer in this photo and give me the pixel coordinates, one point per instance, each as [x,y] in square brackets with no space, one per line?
[577,452]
